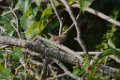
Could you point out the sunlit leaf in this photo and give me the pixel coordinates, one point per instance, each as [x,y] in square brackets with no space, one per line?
[70,1]
[27,4]
[46,12]
[28,12]
[35,10]
[38,2]
[33,30]
[23,22]
[35,27]
[26,22]
[84,4]
[111,44]
[24,5]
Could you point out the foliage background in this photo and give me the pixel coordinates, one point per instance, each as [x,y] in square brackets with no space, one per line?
[29,18]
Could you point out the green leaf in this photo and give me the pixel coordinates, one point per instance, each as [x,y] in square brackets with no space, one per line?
[4,20]
[9,30]
[1,67]
[35,10]
[77,70]
[111,44]
[6,25]
[1,56]
[84,4]
[17,53]
[38,2]
[33,30]
[28,12]
[36,27]
[105,45]
[23,22]
[4,72]
[26,22]
[117,74]
[113,49]
[30,20]
[46,12]
[20,4]
[27,4]
[24,5]
[70,1]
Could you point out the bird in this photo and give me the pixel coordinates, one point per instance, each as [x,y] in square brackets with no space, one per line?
[59,39]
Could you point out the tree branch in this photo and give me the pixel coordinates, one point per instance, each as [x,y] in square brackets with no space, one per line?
[99,14]
[40,48]
[78,39]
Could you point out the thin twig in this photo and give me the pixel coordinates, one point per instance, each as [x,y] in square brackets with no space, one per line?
[53,72]
[4,46]
[5,59]
[31,72]
[90,53]
[16,28]
[36,63]
[79,39]
[58,76]
[66,31]
[54,8]
[5,13]
[103,16]
[27,51]
[44,70]
[16,69]
[3,7]
[23,63]
[97,54]
[115,58]
[107,70]
[67,71]
[95,58]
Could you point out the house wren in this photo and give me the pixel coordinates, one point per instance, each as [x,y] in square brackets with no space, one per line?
[59,39]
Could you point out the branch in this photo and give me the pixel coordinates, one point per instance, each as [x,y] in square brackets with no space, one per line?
[99,14]
[61,24]
[97,54]
[79,39]
[58,76]
[67,71]
[107,70]
[16,28]
[66,31]
[40,48]
[62,47]
[6,13]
